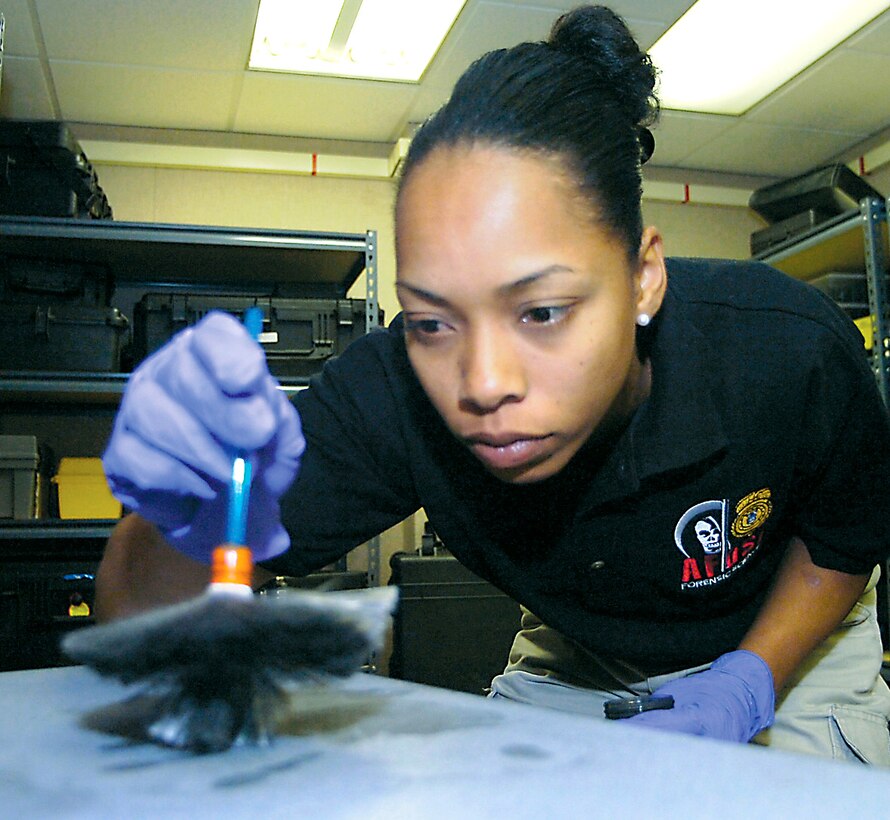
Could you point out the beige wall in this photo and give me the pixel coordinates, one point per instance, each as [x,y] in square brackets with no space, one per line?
[295,202]
[703,230]
[239,199]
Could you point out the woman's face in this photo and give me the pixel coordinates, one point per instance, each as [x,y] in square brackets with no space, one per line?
[520,308]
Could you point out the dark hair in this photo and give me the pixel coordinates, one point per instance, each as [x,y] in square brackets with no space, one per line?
[585,95]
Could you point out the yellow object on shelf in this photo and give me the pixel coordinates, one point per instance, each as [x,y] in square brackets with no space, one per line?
[83,490]
[866,328]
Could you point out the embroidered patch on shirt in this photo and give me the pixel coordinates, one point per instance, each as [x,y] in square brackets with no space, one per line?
[712,545]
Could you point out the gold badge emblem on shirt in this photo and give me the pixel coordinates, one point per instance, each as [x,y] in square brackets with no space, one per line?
[751,512]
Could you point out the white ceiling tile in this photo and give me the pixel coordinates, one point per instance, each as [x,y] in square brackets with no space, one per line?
[23,91]
[847,91]
[747,148]
[679,133]
[208,35]
[18,38]
[322,107]
[875,37]
[481,28]
[484,27]
[645,32]
[148,97]
[665,11]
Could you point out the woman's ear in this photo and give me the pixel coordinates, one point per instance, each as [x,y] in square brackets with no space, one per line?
[651,276]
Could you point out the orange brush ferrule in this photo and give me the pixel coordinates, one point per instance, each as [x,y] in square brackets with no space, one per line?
[232,565]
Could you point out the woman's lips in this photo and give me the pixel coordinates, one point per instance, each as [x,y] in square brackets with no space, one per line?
[508,452]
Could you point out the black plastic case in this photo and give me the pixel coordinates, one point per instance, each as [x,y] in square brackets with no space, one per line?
[37,281]
[451,629]
[774,235]
[43,587]
[849,290]
[830,190]
[46,173]
[61,338]
[298,336]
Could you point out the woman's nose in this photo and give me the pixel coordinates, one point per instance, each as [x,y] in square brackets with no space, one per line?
[492,372]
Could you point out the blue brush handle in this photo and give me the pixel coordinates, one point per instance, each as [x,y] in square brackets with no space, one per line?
[242,470]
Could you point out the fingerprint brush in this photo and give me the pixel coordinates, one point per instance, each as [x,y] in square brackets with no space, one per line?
[218,666]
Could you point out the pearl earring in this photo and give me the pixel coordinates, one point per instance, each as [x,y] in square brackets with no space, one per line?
[643,319]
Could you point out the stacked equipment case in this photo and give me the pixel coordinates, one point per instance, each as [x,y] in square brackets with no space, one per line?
[54,314]
[451,629]
[46,173]
[799,204]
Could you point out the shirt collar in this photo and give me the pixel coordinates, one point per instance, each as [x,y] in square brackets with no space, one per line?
[679,424]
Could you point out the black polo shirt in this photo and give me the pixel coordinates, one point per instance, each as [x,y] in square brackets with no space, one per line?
[763,423]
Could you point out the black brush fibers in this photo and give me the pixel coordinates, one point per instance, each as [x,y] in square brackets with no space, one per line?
[217,665]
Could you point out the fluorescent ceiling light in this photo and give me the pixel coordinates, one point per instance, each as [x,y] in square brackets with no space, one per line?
[723,56]
[372,39]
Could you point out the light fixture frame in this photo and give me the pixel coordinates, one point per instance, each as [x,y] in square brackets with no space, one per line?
[693,55]
[336,31]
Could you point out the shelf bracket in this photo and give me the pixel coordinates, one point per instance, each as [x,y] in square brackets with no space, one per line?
[874,213]
[372,321]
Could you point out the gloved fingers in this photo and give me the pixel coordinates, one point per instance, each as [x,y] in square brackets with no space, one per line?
[687,720]
[170,512]
[199,527]
[270,541]
[199,534]
[233,359]
[281,460]
[161,424]
[142,466]
[244,420]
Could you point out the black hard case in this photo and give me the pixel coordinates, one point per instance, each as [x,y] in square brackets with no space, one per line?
[774,235]
[61,338]
[849,290]
[46,173]
[298,336]
[47,281]
[451,629]
[37,585]
[830,190]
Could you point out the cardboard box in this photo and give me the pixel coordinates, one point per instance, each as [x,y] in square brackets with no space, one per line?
[83,490]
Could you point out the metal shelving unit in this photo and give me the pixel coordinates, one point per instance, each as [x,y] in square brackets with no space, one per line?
[858,242]
[75,410]
[855,241]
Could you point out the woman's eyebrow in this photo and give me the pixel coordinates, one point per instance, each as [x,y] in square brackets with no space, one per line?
[506,290]
[426,295]
[533,278]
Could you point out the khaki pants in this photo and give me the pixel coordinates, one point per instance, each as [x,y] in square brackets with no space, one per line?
[836,706]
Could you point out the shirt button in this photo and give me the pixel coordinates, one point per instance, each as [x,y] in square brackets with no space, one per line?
[597,564]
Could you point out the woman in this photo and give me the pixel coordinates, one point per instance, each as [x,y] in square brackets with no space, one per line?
[676,468]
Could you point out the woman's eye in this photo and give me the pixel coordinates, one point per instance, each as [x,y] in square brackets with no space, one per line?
[547,315]
[426,327]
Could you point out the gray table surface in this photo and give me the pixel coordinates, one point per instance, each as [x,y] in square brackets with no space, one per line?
[371,747]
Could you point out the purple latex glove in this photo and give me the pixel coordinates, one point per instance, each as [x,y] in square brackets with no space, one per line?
[187,408]
[733,700]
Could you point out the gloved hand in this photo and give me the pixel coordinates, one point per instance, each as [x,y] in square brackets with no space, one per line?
[733,700]
[186,410]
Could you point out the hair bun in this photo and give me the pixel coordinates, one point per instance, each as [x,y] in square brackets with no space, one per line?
[602,39]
